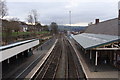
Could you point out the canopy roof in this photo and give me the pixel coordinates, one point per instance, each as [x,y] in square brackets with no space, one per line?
[15,44]
[88,41]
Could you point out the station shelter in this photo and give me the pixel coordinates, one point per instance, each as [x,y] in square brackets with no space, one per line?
[100,48]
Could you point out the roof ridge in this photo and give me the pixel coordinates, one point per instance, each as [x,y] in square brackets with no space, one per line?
[103,21]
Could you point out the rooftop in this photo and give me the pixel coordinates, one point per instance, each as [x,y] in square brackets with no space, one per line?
[15,44]
[89,40]
[109,27]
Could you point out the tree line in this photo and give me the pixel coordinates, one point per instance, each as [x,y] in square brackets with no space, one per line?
[15,25]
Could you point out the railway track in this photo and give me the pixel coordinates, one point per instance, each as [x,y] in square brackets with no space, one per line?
[78,73]
[66,58]
[50,67]
[61,60]
[72,72]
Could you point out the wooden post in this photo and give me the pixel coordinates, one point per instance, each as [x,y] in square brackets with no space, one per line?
[22,53]
[90,54]
[28,51]
[115,58]
[85,51]
[8,61]
[16,57]
[96,61]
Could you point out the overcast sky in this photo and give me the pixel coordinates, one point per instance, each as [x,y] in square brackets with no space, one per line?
[83,11]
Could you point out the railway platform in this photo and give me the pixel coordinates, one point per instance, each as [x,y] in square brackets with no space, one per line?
[108,74]
[41,62]
[60,62]
[16,69]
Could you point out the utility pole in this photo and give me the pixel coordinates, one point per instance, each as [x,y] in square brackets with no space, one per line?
[70,19]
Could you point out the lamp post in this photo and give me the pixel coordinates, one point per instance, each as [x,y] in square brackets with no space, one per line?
[70,18]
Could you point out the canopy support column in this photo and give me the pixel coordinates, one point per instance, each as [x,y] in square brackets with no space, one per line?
[96,61]
[90,54]
[16,56]
[8,61]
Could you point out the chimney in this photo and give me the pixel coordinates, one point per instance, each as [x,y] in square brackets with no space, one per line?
[96,21]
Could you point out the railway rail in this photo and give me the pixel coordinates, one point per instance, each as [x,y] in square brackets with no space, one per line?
[51,64]
[72,70]
[50,68]
[22,72]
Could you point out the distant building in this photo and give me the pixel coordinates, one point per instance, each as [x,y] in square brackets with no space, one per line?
[23,27]
[109,27]
[72,28]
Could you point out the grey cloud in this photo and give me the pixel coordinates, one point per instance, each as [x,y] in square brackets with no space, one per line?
[57,11]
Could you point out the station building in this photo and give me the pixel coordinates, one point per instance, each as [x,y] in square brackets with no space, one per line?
[100,43]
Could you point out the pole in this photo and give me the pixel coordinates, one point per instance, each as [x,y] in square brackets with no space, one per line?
[90,54]
[70,18]
[8,61]
[96,61]
[16,57]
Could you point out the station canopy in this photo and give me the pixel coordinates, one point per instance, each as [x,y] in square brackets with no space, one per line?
[15,44]
[89,41]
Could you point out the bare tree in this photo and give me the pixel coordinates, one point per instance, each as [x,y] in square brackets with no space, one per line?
[33,19]
[35,16]
[30,19]
[3,9]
